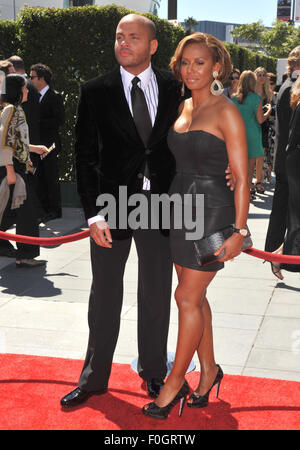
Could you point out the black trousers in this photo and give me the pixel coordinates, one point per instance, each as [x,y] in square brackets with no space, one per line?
[292,239]
[48,188]
[105,304]
[24,217]
[279,214]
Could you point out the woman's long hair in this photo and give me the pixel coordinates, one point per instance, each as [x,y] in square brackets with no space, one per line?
[295,94]
[266,92]
[247,84]
[13,89]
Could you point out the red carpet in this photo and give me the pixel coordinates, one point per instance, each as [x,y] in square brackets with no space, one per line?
[31,388]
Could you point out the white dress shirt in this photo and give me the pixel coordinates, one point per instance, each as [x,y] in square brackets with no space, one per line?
[43,92]
[149,86]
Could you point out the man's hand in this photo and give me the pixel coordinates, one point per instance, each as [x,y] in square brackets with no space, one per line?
[100,232]
[39,149]
[230,178]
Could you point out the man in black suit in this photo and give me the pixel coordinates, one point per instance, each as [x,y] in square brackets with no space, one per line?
[52,116]
[278,218]
[112,151]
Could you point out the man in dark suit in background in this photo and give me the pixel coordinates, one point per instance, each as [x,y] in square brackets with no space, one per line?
[52,116]
[114,148]
[278,217]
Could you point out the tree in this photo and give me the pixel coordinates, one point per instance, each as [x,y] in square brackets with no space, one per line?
[281,39]
[277,41]
[190,22]
[250,32]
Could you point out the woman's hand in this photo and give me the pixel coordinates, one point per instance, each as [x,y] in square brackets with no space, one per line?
[11,175]
[230,178]
[268,107]
[232,247]
[39,149]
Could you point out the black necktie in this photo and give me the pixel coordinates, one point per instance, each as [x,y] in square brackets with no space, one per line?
[140,111]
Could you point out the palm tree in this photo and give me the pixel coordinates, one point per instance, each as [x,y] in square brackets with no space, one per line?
[190,22]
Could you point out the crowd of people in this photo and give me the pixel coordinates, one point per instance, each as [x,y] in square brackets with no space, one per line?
[158,132]
[269,110]
[31,115]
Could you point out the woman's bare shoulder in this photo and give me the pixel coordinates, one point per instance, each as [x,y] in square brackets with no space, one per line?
[228,108]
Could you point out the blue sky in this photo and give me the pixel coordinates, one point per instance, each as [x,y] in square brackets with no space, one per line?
[236,11]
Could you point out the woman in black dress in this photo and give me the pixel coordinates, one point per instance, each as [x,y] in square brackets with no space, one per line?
[292,240]
[263,89]
[208,133]
[271,134]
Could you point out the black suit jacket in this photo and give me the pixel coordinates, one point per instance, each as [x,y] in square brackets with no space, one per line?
[52,116]
[283,117]
[109,151]
[294,131]
[32,111]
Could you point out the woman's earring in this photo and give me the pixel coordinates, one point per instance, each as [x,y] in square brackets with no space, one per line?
[182,90]
[216,87]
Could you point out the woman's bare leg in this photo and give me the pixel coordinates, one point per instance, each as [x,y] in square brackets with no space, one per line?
[192,330]
[251,164]
[205,352]
[260,169]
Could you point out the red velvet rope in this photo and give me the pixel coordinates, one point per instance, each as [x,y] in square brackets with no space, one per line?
[44,241]
[287,259]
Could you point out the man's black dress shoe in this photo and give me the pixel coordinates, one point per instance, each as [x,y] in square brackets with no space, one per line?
[154,386]
[29,263]
[78,396]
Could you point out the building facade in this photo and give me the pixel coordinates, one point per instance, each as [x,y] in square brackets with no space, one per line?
[10,8]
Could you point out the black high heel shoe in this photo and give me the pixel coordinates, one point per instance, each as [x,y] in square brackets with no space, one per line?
[275,267]
[200,401]
[157,412]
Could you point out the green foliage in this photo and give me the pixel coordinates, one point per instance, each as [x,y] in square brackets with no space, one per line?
[190,22]
[281,39]
[250,32]
[9,43]
[277,41]
[244,59]
[78,44]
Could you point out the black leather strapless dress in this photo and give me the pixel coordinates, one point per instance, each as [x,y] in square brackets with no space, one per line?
[201,161]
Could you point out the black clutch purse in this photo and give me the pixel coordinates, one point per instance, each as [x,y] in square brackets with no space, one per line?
[208,245]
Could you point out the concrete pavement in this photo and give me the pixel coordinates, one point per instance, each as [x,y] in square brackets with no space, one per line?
[256,317]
